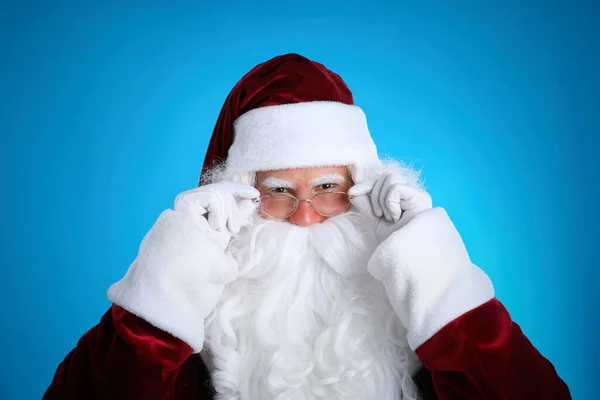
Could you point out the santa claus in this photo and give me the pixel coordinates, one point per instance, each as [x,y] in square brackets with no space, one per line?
[303,267]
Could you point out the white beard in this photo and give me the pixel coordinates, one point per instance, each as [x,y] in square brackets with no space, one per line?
[305,320]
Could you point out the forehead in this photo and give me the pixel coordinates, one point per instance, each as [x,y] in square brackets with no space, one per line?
[302,174]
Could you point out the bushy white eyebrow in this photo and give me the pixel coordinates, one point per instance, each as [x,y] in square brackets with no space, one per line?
[272,182]
[329,178]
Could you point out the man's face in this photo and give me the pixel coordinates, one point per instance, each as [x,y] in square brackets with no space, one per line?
[303,184]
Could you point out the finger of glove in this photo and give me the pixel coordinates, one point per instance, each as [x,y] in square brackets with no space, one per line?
[413,197]
[238,216]
[188,206]
[363,205]
[239,213]
[190,212]
[189,198]
[384,198]
[192,196]
[409,205]
[234,217]
[242,190]
[216,206]
[246,208]
[425,200]
[412,200]
[394,203]
[362,188]
[181,197]
[375,195]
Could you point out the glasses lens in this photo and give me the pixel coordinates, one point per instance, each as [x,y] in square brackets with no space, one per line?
[330,204]
[278,205]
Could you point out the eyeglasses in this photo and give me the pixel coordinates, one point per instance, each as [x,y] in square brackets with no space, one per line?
[283,205]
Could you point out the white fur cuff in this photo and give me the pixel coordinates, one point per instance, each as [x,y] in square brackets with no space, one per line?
[310,134]
[177,278]
[428,275]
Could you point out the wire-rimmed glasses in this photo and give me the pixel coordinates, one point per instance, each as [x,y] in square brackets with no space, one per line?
[283,205]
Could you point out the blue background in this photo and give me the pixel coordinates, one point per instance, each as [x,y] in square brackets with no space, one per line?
[106,111]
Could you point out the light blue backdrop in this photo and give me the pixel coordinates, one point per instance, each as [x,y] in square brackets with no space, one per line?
[106,111]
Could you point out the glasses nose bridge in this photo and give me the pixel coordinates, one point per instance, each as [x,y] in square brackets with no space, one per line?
[309,201]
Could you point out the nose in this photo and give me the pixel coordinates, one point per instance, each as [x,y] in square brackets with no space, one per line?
[305,215]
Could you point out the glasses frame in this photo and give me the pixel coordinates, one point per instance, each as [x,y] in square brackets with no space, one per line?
[258,200]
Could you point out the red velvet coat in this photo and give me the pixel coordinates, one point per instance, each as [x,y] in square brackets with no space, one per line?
[481,355]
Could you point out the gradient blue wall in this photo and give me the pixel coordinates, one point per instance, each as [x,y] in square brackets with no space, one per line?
[106,111]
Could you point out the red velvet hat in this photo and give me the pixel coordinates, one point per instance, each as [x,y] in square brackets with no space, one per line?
[290,112]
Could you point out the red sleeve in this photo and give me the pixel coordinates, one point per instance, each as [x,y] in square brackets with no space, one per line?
[123,357]
[484,355]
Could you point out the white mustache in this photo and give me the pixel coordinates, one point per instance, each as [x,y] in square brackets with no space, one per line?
[351,229]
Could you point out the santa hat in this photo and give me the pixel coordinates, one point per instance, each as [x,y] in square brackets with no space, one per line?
[290,112]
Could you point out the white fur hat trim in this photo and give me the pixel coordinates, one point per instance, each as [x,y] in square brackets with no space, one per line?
[308,134]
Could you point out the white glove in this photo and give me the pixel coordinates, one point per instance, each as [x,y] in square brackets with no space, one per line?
[391,201]
[227,206]
[181,268]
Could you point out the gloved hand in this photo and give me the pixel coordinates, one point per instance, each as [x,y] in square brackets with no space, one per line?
[227,206]
[390,201]
[181,267]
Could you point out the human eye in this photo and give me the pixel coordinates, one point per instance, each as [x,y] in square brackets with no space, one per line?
[279,190]
[328,186]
